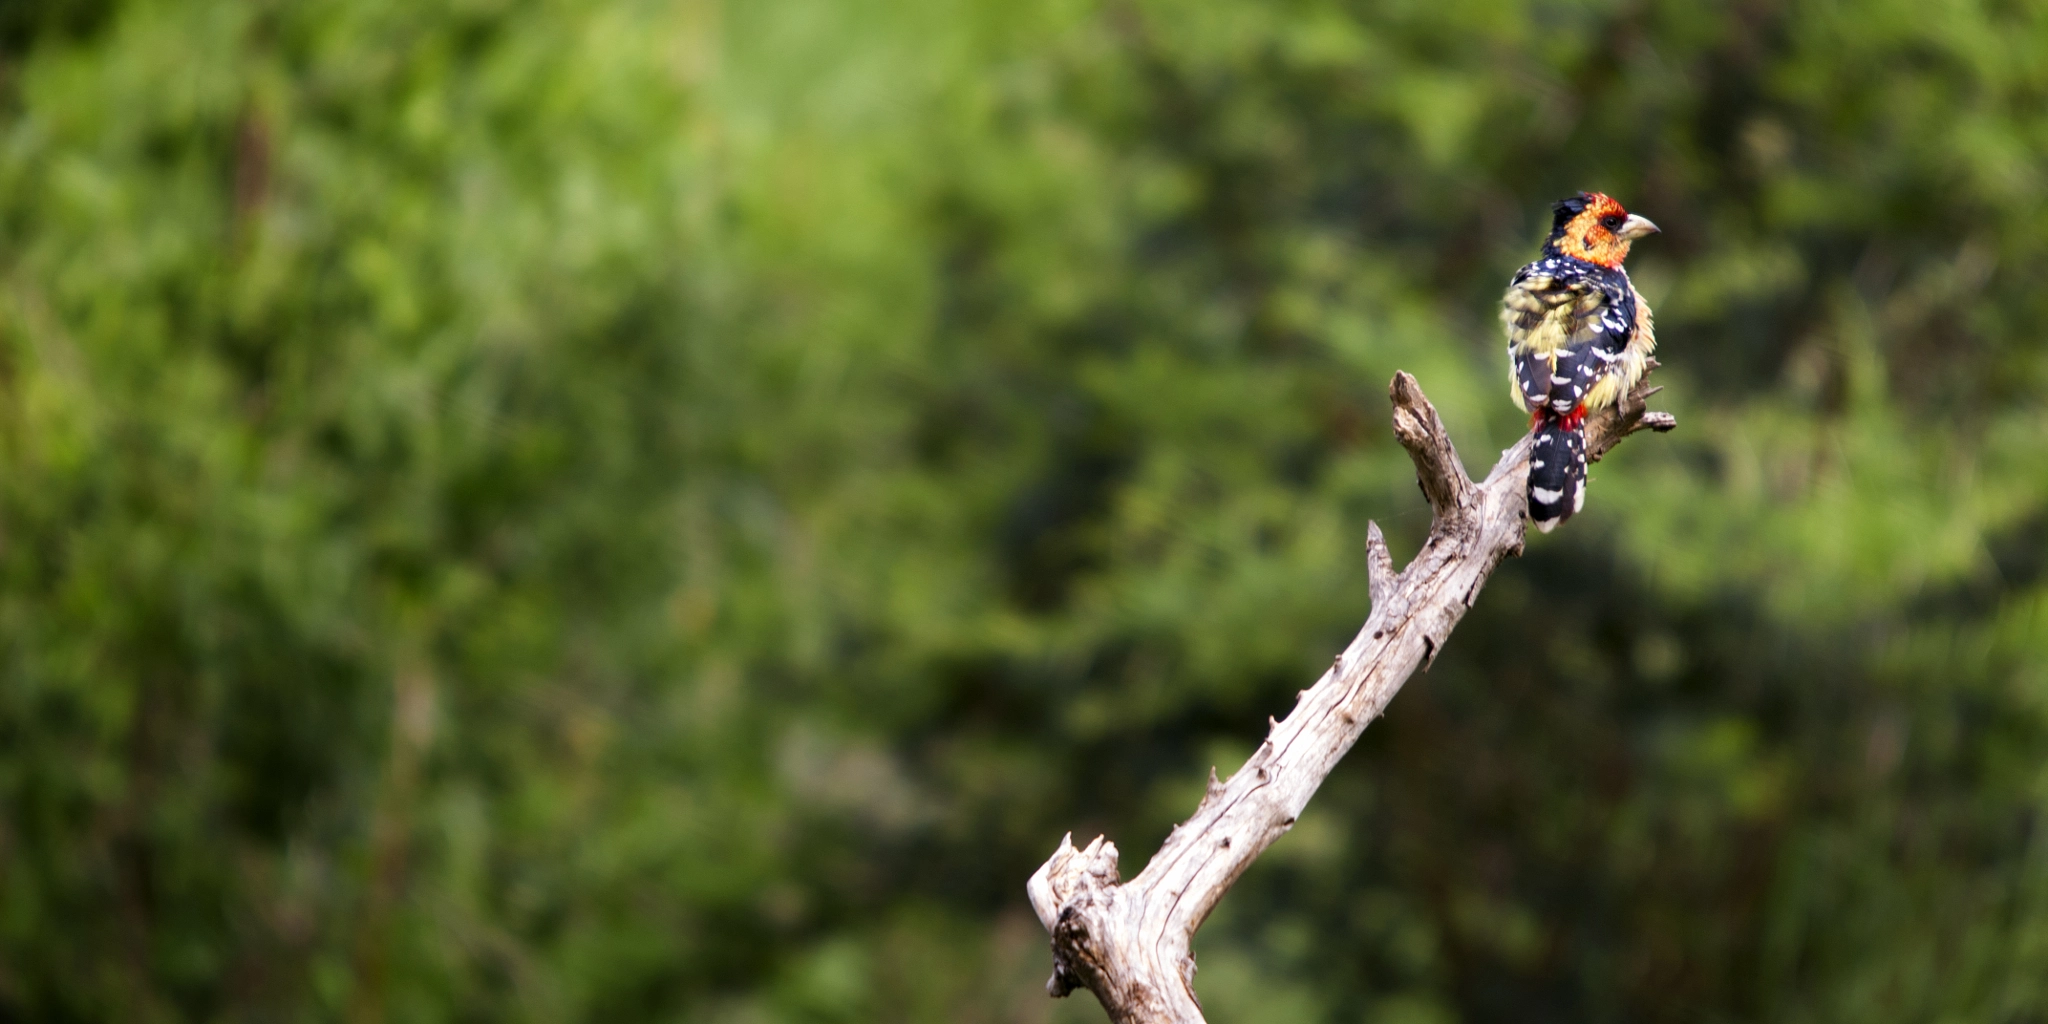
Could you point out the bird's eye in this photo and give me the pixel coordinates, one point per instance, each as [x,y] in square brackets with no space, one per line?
[1612,221]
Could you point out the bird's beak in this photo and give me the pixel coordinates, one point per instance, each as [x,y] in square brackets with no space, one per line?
[1636,227]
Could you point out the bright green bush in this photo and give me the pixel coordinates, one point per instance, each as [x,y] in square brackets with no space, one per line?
[538,510]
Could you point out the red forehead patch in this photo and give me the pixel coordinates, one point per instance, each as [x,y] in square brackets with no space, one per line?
[1599,204]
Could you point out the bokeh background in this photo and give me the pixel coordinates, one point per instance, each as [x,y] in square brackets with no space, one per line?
[538,510]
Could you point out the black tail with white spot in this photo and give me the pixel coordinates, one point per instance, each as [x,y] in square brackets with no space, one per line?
[1557,473]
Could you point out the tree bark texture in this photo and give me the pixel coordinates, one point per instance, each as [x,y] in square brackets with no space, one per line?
[1131,943]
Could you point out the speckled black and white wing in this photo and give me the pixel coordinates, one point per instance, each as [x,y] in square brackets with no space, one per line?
[1568,324]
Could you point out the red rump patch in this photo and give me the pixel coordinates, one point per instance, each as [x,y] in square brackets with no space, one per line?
[1572,420]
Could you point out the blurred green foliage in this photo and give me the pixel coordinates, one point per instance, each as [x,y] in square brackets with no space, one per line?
[542,510]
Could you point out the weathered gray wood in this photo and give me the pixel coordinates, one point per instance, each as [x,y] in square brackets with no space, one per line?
[1130,943]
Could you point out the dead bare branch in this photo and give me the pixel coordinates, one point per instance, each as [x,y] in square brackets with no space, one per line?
[1130,943]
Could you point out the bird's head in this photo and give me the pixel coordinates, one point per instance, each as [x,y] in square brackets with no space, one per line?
[1593,227]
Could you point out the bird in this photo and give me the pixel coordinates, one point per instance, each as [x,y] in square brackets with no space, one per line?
[1579,338]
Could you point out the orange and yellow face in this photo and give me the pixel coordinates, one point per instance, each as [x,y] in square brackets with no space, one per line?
[1601,232]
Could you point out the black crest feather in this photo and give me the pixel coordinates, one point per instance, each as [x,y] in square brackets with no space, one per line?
[1565,209]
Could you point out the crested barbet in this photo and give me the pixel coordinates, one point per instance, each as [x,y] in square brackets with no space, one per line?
[1579,337]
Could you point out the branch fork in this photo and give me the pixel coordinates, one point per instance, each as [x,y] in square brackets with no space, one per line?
[1131,942]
